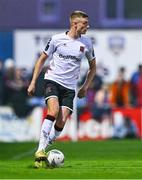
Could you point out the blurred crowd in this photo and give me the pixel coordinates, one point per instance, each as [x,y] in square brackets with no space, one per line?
[100,99]
[14,82]
[102,96]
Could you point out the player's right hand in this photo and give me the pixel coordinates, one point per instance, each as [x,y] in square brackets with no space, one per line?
[31,89]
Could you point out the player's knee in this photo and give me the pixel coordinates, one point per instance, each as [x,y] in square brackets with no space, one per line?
[53,112]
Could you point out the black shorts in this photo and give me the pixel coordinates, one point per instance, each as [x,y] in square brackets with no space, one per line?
[64,95]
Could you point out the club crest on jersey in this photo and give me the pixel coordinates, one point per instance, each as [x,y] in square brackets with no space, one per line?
[49,89]
[81,48]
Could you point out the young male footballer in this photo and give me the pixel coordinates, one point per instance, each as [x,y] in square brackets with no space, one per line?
[65,52]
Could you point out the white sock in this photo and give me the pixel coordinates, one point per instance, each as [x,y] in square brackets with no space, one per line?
[53,135]
[45,131]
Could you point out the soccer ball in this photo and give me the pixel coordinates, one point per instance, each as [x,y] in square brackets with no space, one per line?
[55,158]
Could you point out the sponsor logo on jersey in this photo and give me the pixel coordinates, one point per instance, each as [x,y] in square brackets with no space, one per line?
[69,57]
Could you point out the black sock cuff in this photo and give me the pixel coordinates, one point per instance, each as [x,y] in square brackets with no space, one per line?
[49,117]
[57,128]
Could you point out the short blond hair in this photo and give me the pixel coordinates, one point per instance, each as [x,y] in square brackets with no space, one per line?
[78,14]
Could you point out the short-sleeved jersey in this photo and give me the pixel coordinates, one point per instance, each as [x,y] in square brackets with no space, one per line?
[65,56]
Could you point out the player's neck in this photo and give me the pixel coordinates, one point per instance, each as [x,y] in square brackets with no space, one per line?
[73,34]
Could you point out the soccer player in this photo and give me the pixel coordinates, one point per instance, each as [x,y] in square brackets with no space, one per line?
[65,52]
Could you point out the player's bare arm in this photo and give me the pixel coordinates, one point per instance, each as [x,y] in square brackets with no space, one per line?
[91,73]
[37,69]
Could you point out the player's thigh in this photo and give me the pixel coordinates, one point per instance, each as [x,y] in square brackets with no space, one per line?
[51,94]
[53,106]
[50,89]
[67,99]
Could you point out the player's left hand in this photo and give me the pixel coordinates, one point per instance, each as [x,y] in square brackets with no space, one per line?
[82,92]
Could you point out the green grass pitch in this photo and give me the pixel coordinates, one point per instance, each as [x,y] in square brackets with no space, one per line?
[112,159]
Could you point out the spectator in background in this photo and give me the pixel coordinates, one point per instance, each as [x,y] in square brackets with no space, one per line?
[119,90]
[16,89]
[123,126]
[19,98]
[95,85]
[136,87]
[86,103]
[101,109]
[131,129]
[9,70]
[1,83]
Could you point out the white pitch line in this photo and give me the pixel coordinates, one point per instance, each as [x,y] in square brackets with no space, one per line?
[21,155]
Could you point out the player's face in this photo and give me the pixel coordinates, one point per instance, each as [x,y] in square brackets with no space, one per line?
[82,25]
